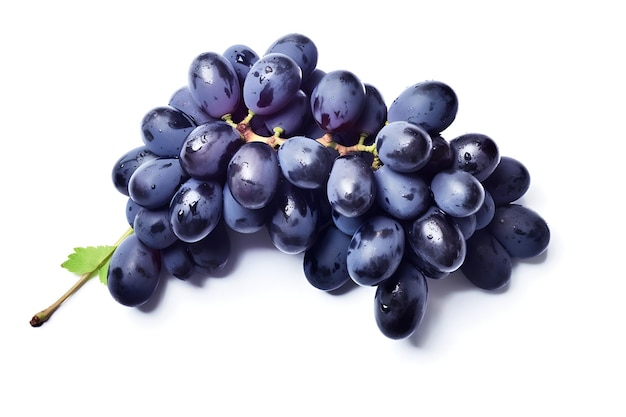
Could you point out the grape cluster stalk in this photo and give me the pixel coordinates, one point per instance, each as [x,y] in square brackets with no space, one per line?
[369,193]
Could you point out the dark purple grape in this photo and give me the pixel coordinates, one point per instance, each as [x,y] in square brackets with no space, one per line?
[457,192]
[253,175]
[305,162]
[298,47]
[325,261]
[127,164]
[291,117]
[195,209]
[337,100]
[427,269]
[375,250]
[325,216]
[309,83]
[467,225]
[402,195]
[437,241]
[154,183]
[134,272]
[214,84]
[487,264]
[183,101]
[153,228]
[212,253]
[400,302]
[485,213]
[292,225]
[508,182]
[178,261]
[350,224]
[271,83]
[373,114]
[347,137]
[351,187]
[131,211]
[403,146]
[440,158]
[475,153]
[522,231]
[208,149]
[164,129]
[240,218]
[431,105]
[242,59]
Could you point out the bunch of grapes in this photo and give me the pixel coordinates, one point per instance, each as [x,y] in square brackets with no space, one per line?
[368,193]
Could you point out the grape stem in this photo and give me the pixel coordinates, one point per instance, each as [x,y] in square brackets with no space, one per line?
[44,315]
[248,135]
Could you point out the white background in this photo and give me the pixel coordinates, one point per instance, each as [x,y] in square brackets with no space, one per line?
[543,78]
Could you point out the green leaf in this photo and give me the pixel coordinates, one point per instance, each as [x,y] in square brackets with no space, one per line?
[90,259]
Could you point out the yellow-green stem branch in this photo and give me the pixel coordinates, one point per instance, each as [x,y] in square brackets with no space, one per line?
[44,315]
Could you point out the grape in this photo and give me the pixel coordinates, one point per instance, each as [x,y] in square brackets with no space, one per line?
[153,229]
[305,162]
[324,262]
[253,175]
[467,225]
[183,101]
[214,84]
[177,260]
[437,241]
[440,158]
[428,270]
[208,149]
[134,272]
[347,137]
[402,195]
[350,224]
[131,211]
[309,83]
[337,100]
[325,216]
[154,183]
[271,83]
[487,264]
[240,218]
[211,253]
[292,226]
[485,213]
[522,231]
[291,117]
[375,250]
[475,153]
[373,113]
[403,146]
[457,192]
[242,58]
[508,182]
[195,209]
[432,105]
[127,164]
[351,186]
[400,302]
[298,47]
[164,129]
